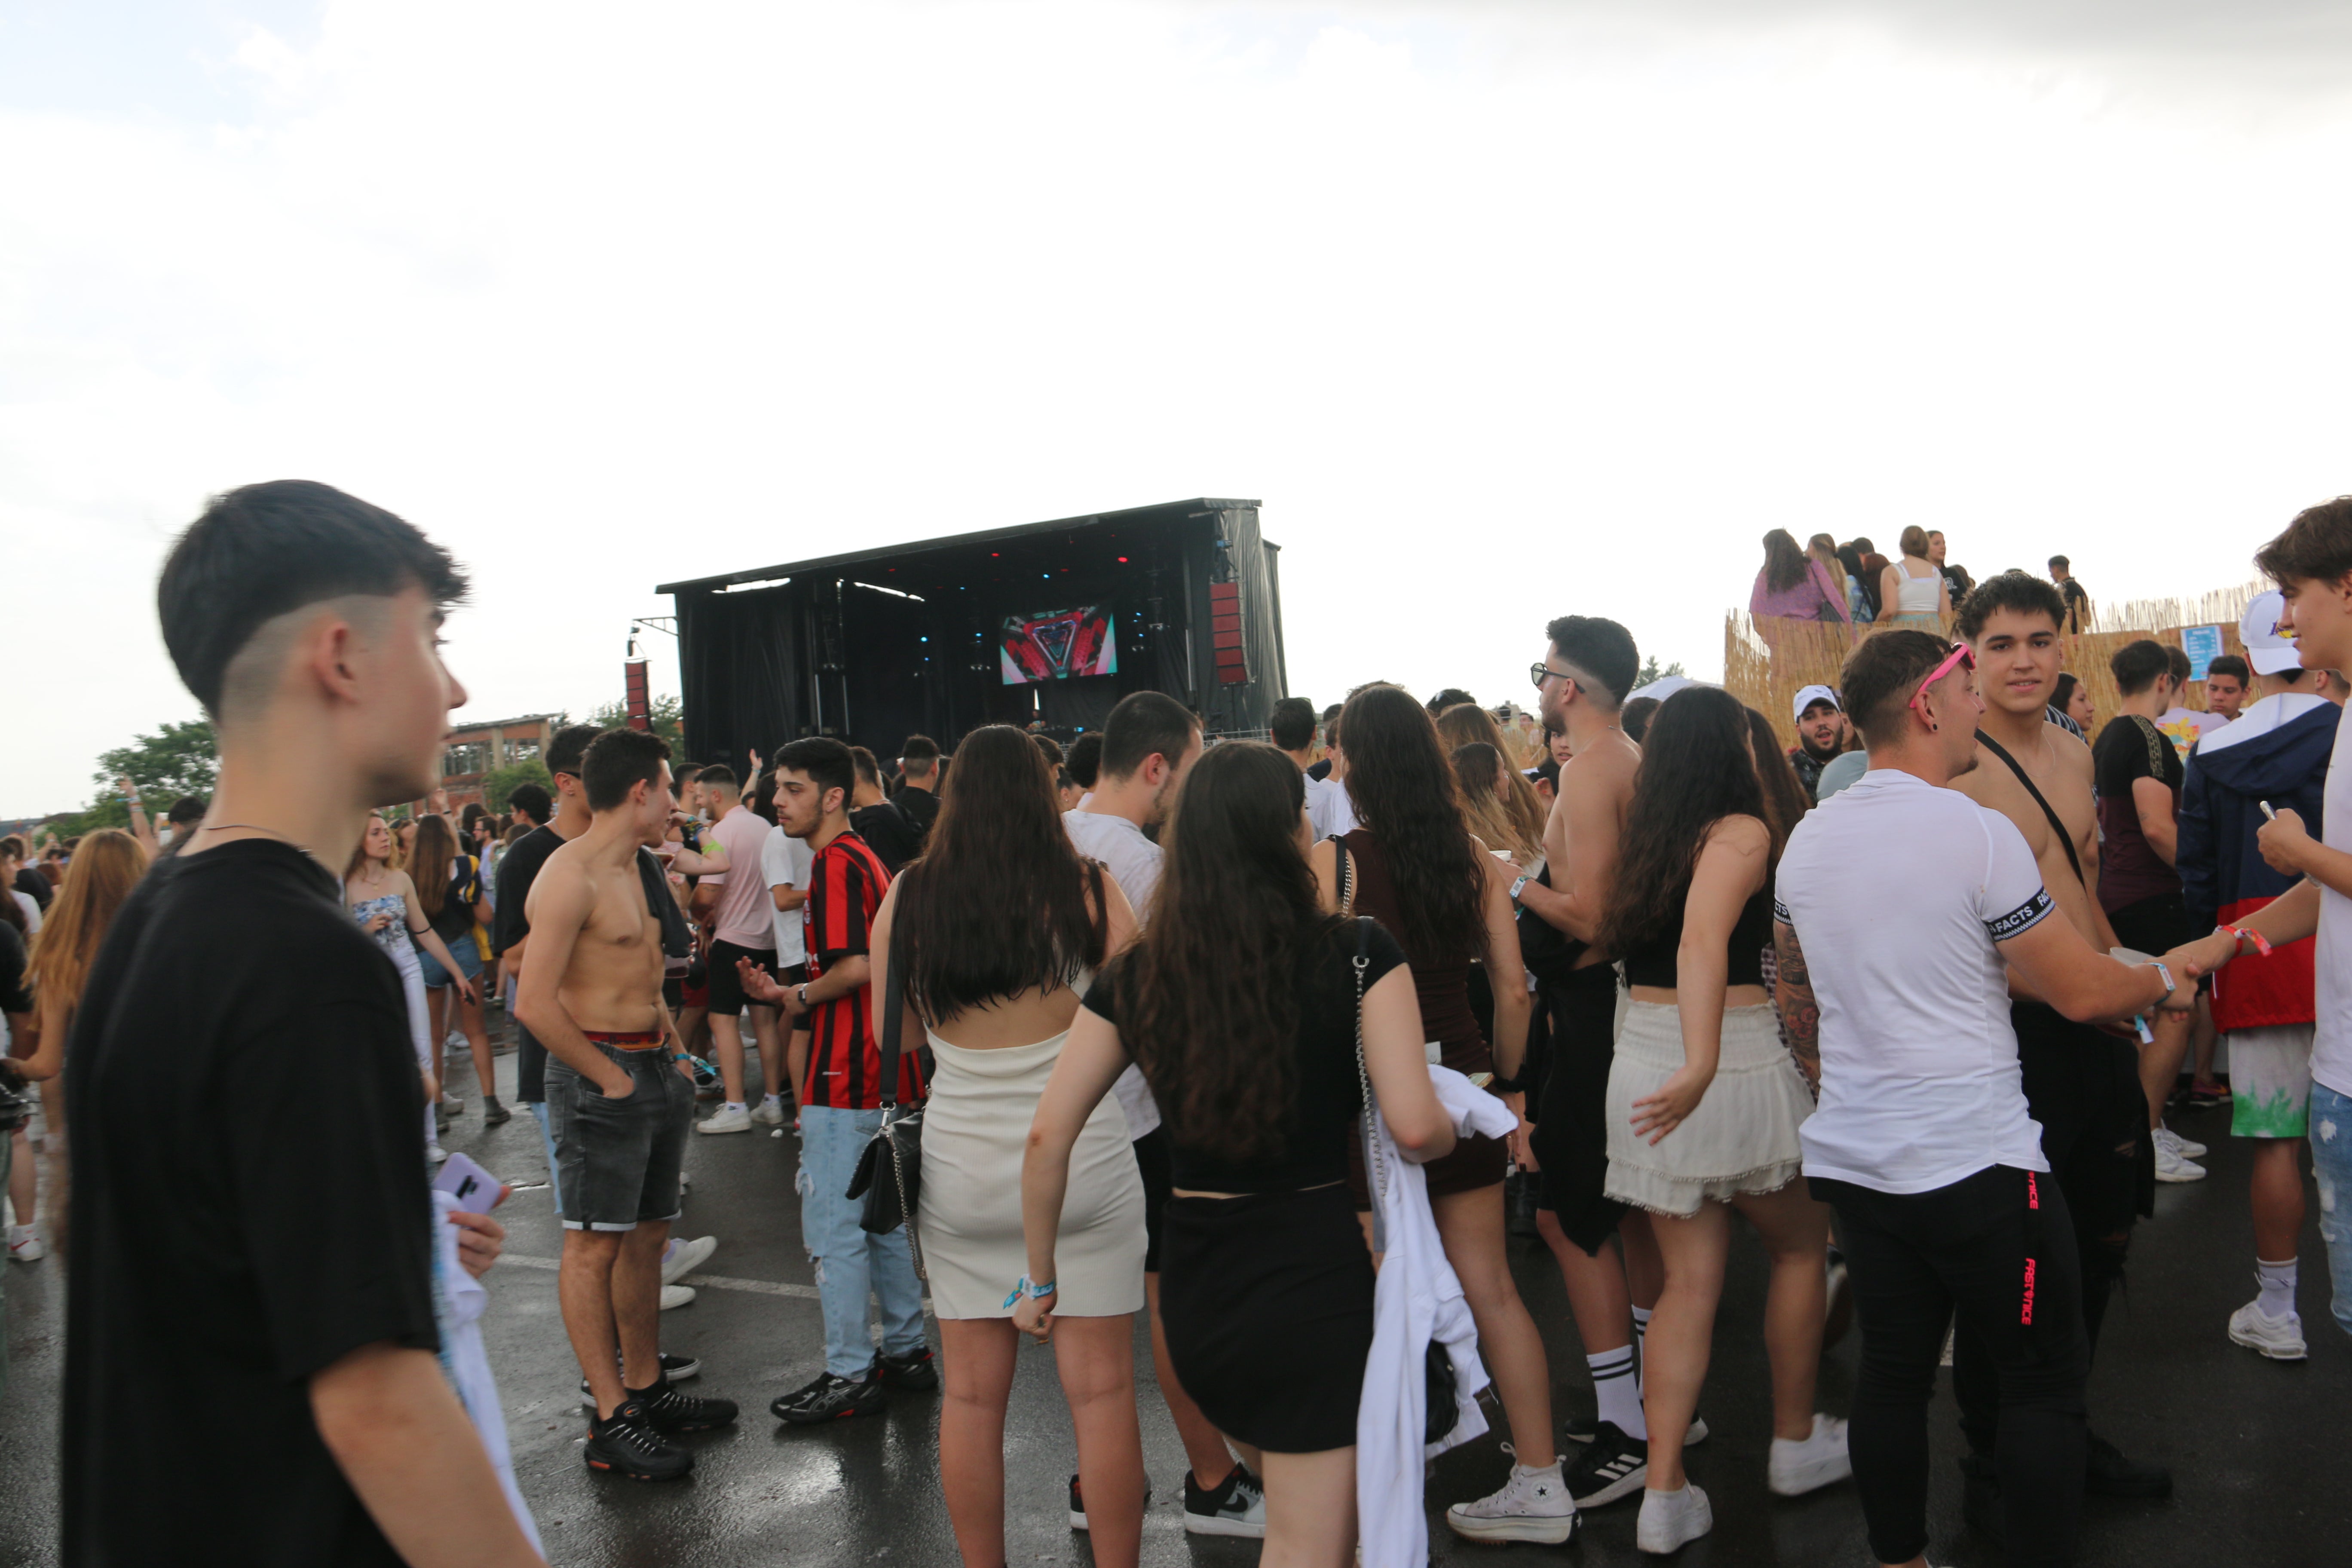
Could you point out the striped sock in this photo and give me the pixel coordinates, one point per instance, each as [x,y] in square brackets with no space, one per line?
[1640,1343]
[1614,1387]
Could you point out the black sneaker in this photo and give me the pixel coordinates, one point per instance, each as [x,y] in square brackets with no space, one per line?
[1235,1506]
[675,1369]
[493,1113]
[2107,1473]
[1078,1504]
[1613,1467]
[628,1445]
[671,1411]
[916,1371]
[830,1398]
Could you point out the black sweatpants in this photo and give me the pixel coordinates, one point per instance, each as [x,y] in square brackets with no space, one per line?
[1998,1247]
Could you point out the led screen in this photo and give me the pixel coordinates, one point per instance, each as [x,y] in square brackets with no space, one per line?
[1058,644]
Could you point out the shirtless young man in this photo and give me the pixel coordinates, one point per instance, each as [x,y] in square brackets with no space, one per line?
[591,995]
[1583,678]
[2081,1084]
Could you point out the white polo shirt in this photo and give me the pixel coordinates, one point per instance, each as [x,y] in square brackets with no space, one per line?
[1898,892]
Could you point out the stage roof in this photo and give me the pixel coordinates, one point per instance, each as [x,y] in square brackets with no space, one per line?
[957,542]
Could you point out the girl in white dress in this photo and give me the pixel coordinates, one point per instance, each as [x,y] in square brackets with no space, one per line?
[1001,926]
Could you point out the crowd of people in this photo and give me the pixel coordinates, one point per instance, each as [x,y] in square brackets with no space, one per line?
[1266,1040]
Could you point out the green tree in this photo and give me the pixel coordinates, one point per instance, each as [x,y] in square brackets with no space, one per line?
[498,783]
[1650,671]
[667,713]
[176,759]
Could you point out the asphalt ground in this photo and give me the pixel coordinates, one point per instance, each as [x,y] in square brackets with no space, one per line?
[2259,1449]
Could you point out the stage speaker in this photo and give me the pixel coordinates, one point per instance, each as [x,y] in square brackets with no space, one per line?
[1225,634]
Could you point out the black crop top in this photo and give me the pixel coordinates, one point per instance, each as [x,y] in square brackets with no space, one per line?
[1652,962]
[1316,1135]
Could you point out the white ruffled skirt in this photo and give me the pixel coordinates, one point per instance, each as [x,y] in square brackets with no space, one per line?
[1743,1136]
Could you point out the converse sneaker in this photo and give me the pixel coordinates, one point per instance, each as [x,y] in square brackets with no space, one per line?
[1533,1505]
[829,1398]
[769,1113]
[493,1113]
[916,1371]
[1078,1504]
[627,1444]
[2171,1165]
[2281,1338]
[1809,1464]
[671,1411]
[1235,1506]
[1614,1466]
[726,1119]
[1672,1520]
[686,1257]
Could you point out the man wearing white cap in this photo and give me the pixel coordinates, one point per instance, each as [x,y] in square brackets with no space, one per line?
[2275,752]
[1821,733]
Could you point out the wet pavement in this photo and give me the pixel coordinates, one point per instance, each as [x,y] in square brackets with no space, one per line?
[2259,1450]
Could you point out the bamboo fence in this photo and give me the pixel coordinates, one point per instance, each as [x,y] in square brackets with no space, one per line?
[1766,659]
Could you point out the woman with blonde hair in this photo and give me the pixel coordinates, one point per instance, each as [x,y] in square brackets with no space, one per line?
[98,879]
[1467,724]
[382,898]
[1823,548]
[1912,591]
[1484,781]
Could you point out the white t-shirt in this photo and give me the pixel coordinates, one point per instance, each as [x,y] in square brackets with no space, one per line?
[1133,862]
[745,911]
[1329,808]
[786,862]
[2331,1037]
[1898,892]
[31,908]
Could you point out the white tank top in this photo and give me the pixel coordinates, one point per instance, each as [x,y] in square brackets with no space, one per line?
[1917,596]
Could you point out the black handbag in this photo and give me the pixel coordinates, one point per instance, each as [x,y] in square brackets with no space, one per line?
[889,1175]
[1438,1382]
[1547,952]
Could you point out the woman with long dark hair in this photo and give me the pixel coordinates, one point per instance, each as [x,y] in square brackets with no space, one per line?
[1704,1101]
[1792,585]
[1411,865]
[1786,799]
[1240,1005]
[451,891]
[998,928]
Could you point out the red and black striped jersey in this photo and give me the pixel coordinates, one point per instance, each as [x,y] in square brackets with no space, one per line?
[847,881]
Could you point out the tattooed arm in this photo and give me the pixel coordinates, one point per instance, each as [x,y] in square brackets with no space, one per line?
[1801,1015]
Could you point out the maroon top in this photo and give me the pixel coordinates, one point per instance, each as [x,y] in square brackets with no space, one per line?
[1442,984]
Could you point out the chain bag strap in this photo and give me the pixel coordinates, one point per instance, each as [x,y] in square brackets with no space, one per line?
[892,1203]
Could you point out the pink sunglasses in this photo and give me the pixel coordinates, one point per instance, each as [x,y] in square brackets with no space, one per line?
[1960,657]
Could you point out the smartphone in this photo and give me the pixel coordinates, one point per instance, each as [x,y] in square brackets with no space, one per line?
[476,1190]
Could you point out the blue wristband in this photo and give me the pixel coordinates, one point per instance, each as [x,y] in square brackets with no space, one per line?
[1026,1287]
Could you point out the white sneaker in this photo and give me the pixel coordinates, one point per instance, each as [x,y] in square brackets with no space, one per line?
[2187,1148]
[452,1104]
[435,1153]
[769,1113]
[1810,1463]
[726,1119]
[1672,1520]
[2281,1338]
[1532,1506]
[24,1243]
[686,1257]
[455,1040]
[676,1296]
[2173,1167]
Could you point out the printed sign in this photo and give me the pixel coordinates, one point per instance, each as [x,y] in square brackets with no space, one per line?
[2203,646]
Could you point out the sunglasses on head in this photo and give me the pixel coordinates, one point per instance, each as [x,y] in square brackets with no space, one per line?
[1961,657]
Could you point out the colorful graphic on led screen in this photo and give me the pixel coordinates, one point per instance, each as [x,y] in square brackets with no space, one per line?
[1057,644]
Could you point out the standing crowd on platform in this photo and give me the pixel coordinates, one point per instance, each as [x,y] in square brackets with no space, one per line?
[1272,1042]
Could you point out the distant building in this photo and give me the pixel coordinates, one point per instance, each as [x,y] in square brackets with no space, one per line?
[473,750]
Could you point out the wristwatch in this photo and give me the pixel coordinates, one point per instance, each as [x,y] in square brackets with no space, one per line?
[800,994]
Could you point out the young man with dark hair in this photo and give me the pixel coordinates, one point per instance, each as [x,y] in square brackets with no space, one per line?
[2077,602]
[2311,564]
[1820,734]
[185,813]
[619,1102]
[1583,677]
[2139,773]
[278,1260]
[1451,697]
[2229,685]
[889,831]
[742,927]
[1084,762]
[2082,1084]
[918,793]
[1292,727]
[1924,1142]
[841,1103]
[530,806]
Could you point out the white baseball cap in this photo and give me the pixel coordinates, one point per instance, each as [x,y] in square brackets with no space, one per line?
[1808,695]
[2268,650]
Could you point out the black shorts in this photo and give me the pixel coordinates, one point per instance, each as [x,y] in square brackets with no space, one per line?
[618,1159]
[727,998]
[1159,1172]
[2153,926]
[1571,1134]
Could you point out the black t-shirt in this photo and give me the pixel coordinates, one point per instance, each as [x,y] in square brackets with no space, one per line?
[29,880]
[888,832]
[921,806]
[1320,771]
[2132,748]
[1322,1119]
[250,1205]
[2078,604]
[517,872]
[14,997]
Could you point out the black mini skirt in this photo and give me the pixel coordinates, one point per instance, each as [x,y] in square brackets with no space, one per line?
[1267,1303]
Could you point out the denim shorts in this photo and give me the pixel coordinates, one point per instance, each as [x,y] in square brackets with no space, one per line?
[468,957]
[618,1159]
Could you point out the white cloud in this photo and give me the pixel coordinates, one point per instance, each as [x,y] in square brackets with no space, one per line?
[1497,329]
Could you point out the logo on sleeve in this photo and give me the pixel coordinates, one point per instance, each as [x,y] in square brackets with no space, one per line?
[1781,913]
[2019,918]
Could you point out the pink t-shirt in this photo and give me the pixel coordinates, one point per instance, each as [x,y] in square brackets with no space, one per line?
[745,911]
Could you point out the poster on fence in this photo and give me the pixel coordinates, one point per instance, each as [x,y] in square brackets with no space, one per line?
[2203,646]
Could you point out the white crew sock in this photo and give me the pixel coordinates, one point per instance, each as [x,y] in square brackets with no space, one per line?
[776,1099]
[1619,1395]
[2277,1300]
[1642,1344]
[738,1105]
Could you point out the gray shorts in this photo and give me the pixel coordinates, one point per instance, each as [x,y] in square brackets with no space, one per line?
[618,1159]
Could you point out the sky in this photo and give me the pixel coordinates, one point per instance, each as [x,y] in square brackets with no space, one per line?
[1504,311]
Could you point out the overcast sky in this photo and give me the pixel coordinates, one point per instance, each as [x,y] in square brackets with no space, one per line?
[1504,311]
